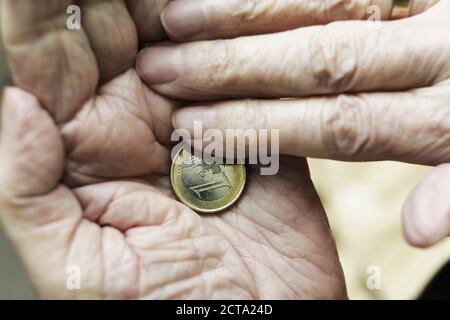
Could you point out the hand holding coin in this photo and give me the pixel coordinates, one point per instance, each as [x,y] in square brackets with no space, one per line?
[206,188]
[113,214]
[133,239]
[348,90]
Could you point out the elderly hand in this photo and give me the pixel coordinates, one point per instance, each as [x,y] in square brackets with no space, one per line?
[129,237]
[385,91]
[113,126]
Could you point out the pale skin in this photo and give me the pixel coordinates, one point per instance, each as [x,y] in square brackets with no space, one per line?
[84,154]
[357,92]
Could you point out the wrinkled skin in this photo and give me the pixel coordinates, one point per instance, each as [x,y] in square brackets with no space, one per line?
[88,84]
[90,118]
[358,91]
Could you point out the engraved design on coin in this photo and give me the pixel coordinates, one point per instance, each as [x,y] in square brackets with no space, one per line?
[204,187]
[207,182]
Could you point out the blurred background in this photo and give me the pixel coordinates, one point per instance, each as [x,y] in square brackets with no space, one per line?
[363,201]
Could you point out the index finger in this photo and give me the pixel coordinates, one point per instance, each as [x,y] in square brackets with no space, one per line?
[341,57]
[187,20]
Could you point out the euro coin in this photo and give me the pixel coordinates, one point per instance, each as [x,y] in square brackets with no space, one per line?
[206,188]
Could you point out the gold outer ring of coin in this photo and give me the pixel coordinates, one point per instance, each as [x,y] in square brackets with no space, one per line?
[200,205]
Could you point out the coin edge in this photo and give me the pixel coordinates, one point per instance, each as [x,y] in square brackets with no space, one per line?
[207,211]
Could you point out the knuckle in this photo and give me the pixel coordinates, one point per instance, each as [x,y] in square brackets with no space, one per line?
[244,122]
[439,128]
[221,65]
[428,124]
[245,11]
[252,110]
[333,59]
[437,132]
[243,115]
[347,131]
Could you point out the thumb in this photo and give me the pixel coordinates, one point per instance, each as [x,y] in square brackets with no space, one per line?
[31,151]
[39,216]
[426,215]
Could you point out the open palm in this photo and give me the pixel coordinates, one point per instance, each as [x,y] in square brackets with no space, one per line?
[114,216]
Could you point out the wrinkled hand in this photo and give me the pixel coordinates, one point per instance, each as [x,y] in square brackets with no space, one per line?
[130,237]
[388,89]
[86,80]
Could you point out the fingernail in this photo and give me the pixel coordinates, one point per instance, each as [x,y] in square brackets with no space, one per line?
[159,65]
[194,118]
[184,18]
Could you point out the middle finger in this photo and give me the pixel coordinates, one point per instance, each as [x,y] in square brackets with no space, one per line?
[340,57]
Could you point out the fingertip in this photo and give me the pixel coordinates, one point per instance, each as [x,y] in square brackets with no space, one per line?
[413,232]
[141,63]
[175,120]
[159,65]
[204,116]
[426,213]
[184,19]
[182,120]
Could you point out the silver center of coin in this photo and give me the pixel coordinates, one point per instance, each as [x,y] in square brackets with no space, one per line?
[207,182]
